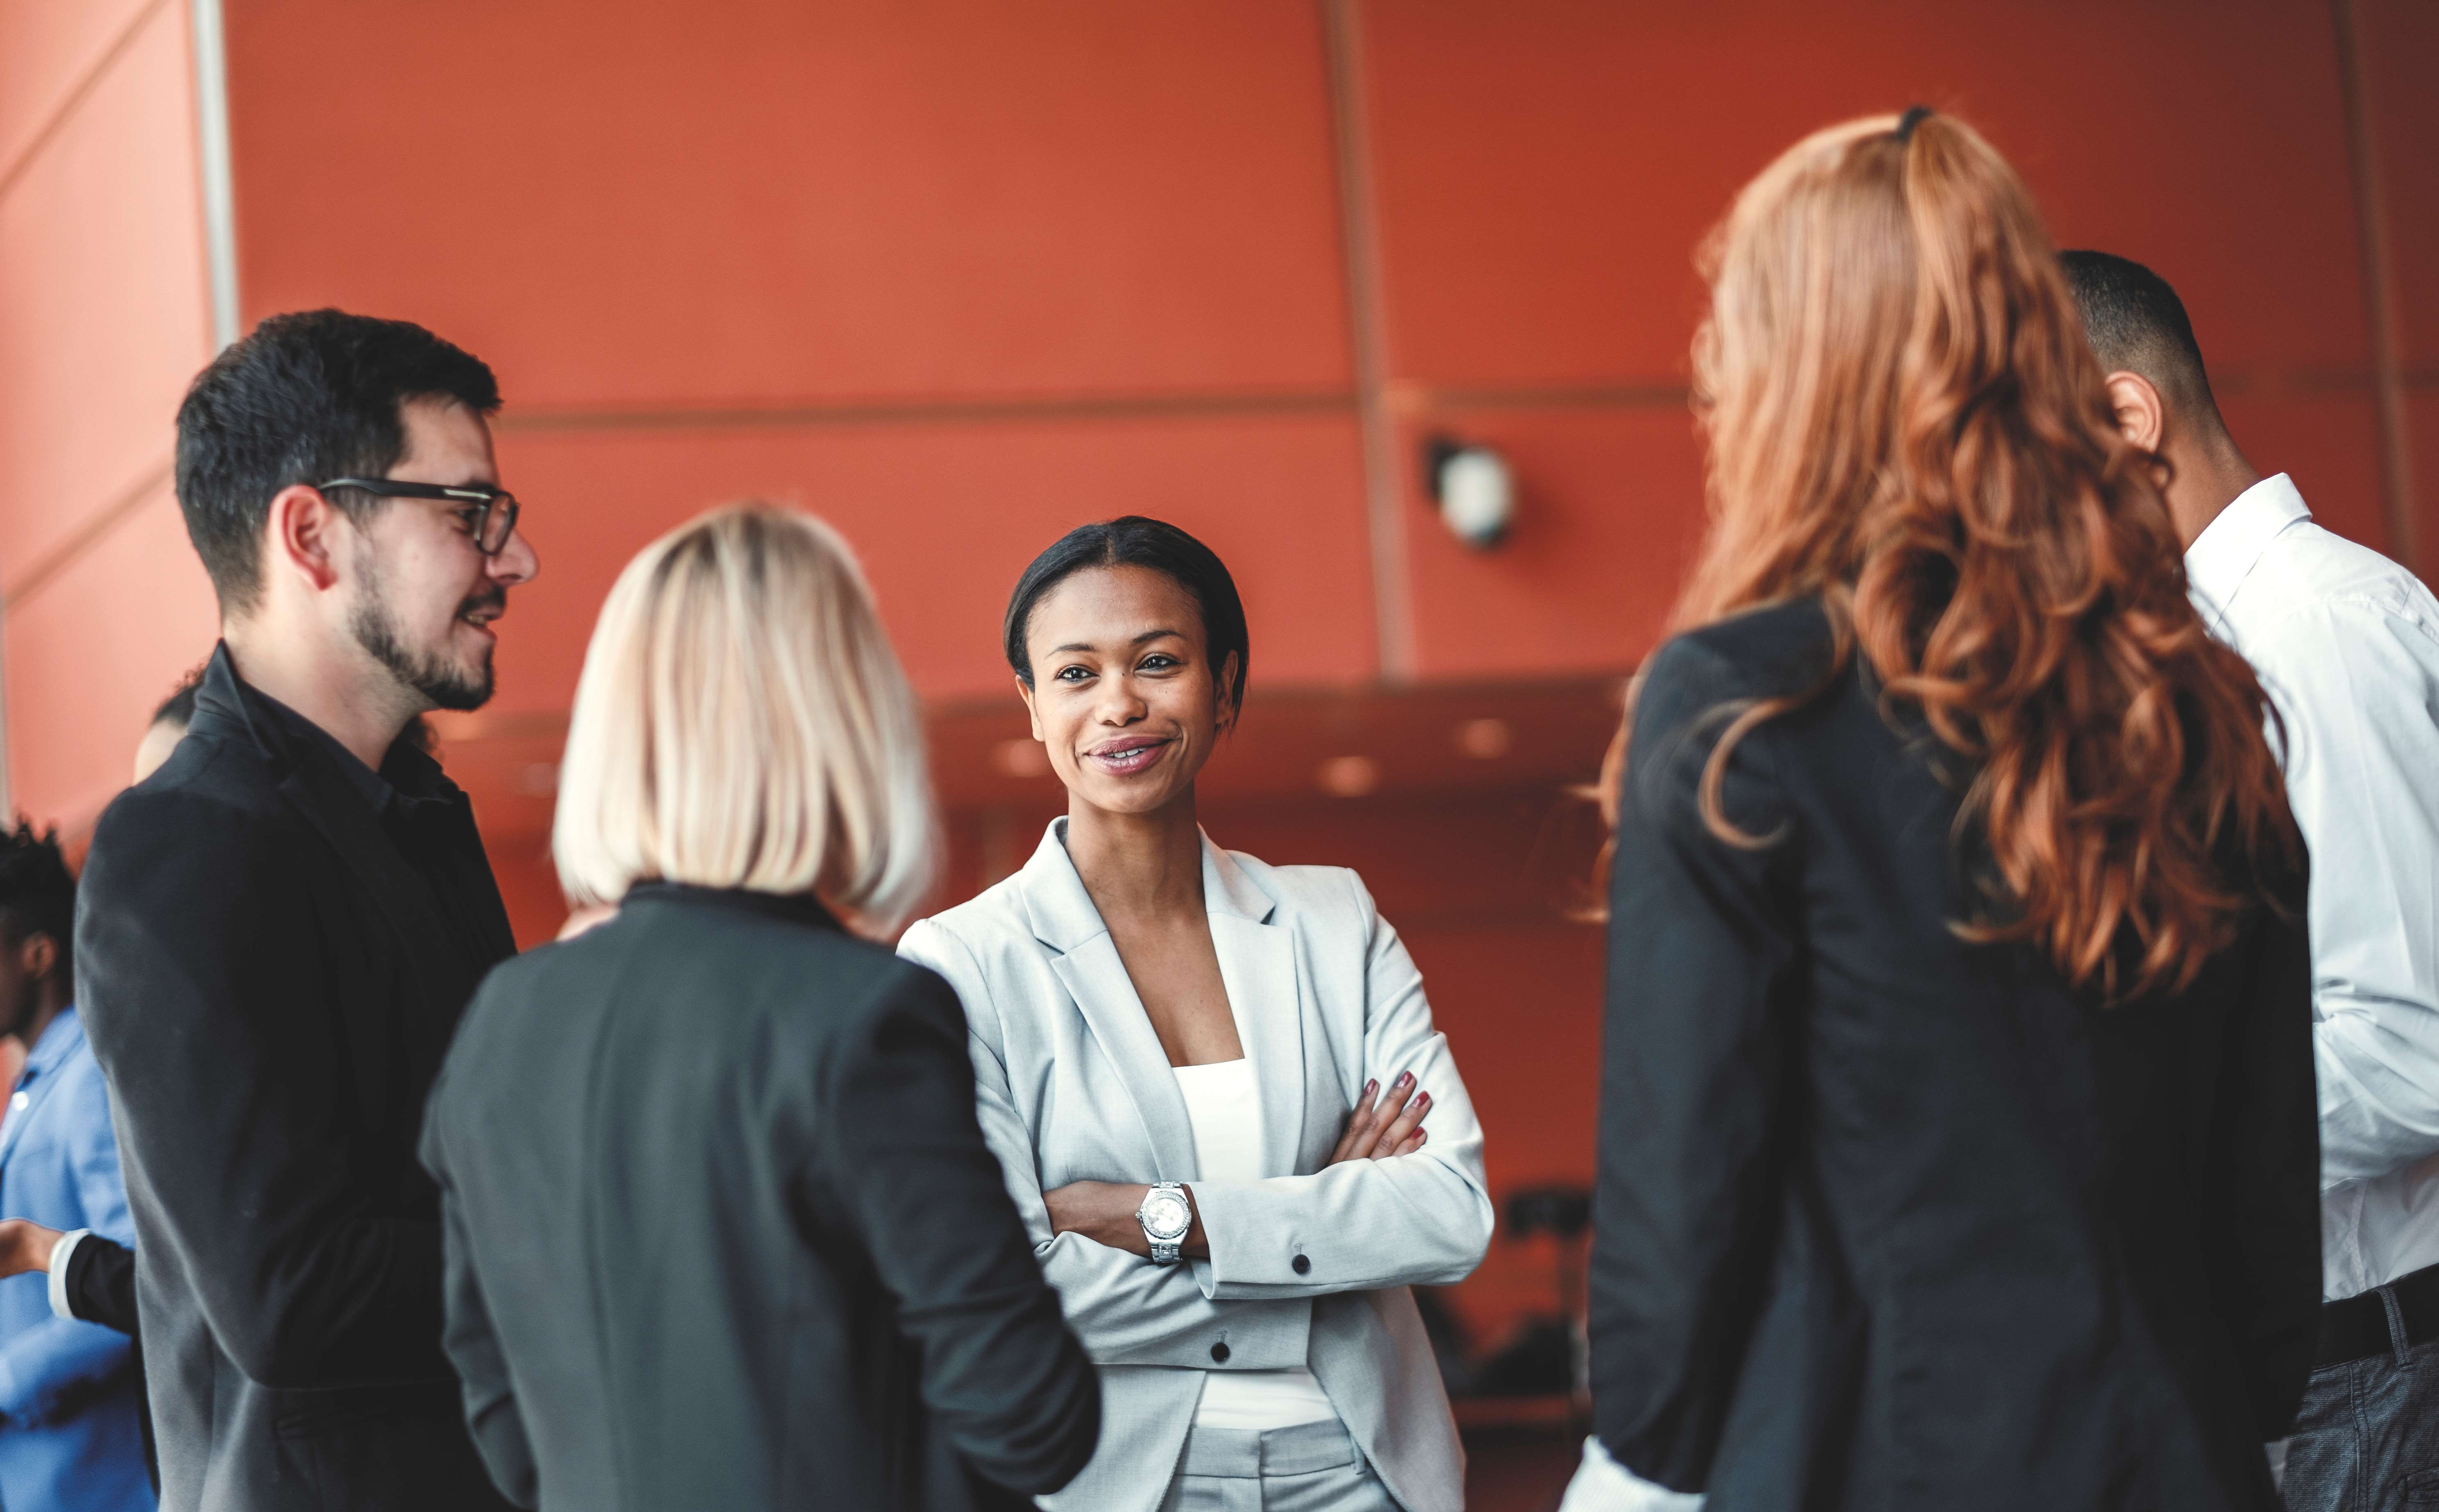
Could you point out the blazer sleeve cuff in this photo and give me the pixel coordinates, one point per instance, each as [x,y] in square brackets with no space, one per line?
[62,1253]
[1252,1241]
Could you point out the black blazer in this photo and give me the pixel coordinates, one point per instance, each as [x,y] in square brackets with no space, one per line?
[722,1231]
[270,985]
[1886,1220]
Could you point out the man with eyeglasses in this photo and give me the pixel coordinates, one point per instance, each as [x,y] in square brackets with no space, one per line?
[277,929]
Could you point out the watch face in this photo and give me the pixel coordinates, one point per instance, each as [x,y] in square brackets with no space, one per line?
[1166,1216]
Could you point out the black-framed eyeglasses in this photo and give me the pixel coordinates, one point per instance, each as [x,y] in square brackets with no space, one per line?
[490,514]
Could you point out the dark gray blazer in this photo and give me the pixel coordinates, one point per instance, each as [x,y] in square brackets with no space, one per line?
[722,1229]
[1891,1220]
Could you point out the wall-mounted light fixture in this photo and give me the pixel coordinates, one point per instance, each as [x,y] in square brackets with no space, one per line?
[1473,488]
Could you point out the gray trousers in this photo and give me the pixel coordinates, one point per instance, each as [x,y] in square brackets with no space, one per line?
[2367,1439]
[1309,1467]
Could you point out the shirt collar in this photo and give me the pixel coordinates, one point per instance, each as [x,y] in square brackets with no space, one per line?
[58,1042]
[406,774]
[2222,556]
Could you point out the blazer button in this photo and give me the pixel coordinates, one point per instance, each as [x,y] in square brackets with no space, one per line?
[1300,1264]
[1219,1353]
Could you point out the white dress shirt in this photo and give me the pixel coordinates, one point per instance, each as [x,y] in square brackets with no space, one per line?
[2346,643]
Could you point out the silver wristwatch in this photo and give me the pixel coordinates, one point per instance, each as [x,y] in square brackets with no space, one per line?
[1166,1216]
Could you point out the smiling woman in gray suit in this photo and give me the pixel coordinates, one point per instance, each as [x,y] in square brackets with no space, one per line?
[1213,1084]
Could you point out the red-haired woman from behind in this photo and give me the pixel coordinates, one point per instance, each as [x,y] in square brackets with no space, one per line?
[1957,1119]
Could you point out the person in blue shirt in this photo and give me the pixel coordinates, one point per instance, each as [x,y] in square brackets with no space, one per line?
[71,1434]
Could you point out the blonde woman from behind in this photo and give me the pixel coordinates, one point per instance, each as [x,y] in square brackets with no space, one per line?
[720,1228]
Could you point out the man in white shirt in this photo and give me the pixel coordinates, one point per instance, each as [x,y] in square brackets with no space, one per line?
[2346,643]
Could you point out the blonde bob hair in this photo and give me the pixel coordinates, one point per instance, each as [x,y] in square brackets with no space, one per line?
[741,721]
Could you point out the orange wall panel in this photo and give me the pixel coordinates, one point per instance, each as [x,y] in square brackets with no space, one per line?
[945,516]
[2400,41]
[2422,437]
[1609,510]
[1547,166]
[2328,441]
[48,49]
[94,652]
[632,204]
[102,302]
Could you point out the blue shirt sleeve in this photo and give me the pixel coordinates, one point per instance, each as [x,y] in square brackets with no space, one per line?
[50,1367]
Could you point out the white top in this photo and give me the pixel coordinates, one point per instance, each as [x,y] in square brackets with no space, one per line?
[2346,643]
[1225,1109]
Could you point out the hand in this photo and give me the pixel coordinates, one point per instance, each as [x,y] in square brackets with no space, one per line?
[24,1245]
[1392,1125]
[1104,1212]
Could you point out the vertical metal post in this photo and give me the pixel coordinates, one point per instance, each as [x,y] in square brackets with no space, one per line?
[219,186]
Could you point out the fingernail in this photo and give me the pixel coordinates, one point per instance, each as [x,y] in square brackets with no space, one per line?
[1423,1100]
[1372,1086]
[1404,1077]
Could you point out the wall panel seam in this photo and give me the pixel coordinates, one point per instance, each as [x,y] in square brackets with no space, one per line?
[2379,290]
[1367,334]
[77,95]
[85,537]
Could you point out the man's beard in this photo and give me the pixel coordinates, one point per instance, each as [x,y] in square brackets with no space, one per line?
[441,684]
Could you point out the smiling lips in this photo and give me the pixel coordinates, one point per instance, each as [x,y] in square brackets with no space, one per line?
[1126,756]
[483,609]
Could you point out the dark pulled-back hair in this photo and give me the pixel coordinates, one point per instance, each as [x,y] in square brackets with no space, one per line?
[305,398]
[37,895]
[2136,324]
[1133,541]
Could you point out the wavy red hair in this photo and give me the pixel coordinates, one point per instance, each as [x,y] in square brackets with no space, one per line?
[1905,421]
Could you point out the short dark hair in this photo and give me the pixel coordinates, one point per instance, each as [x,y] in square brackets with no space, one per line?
[2137,324]
[37,894]
[1133,541]
[304,399]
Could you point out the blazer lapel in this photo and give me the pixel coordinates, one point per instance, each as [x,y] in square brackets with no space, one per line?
[1258,966]
[1088,966]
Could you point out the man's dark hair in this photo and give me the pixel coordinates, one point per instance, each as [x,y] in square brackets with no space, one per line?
[2137,324]
[305,398]
[1133,541]
[37,894]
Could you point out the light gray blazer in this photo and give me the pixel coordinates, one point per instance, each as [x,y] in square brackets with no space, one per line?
[1073,1086]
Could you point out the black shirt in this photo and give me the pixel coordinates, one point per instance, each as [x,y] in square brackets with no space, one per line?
[426,816]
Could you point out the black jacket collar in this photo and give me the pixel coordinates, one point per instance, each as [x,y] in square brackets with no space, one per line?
[319,787]
[407,771]
[801,908]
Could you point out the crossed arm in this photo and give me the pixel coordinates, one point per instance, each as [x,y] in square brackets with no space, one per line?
[1104,1212]
[1260,1250]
